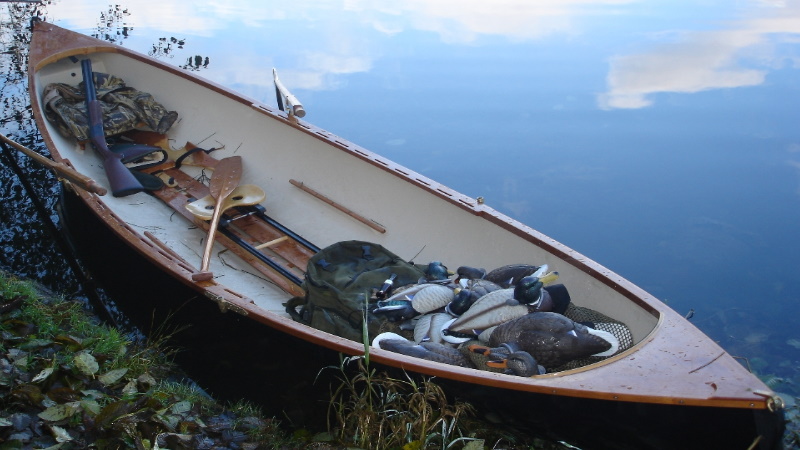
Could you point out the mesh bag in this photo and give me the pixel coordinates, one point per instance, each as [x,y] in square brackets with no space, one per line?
[600,322]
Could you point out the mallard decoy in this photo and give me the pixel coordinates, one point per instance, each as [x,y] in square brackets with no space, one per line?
[491,309]
[559,296]
[470,273]
[429,351]
[509,275]
[554,339]
[529,290]
[398,306]
[436,271]
[499,306]
[509,358]
[415,300]
[428,327]
[468,294]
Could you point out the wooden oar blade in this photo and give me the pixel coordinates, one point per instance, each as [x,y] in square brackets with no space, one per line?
[226,176]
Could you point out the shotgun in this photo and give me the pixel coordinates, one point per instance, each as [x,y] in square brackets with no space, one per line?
[120,178]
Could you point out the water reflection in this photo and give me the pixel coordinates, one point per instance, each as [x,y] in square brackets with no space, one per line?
[20,225]
[463,21]
[740,56]
[112,27]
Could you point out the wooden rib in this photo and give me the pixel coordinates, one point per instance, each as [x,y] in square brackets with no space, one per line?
[348,211]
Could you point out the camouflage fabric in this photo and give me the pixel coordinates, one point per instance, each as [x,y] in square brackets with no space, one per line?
[124,108]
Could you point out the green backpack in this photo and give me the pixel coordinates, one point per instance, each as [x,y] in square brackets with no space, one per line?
[340,283]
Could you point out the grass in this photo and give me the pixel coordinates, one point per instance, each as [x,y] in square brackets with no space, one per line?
[377,411]
[53,319]
[374,410]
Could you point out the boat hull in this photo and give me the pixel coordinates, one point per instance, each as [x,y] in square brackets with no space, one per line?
[327,189]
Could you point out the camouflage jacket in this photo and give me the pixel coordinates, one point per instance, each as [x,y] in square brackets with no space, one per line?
[124,108]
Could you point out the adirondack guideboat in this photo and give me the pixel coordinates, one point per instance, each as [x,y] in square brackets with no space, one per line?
[288,227]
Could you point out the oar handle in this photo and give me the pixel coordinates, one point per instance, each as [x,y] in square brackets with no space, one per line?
[61,169]
[204,274]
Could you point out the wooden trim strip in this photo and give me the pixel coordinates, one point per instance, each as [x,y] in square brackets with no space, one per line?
[348,211]
[166,248]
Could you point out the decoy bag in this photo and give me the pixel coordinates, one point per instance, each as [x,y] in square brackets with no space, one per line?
[340,282]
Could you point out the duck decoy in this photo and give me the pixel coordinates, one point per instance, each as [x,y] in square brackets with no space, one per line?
[494,308]
[426,350]
[509,358]
[436,271]
[559,296]
[509,275]
[470,273]
[554,339]
[429,327]
[469,293]
[415,300]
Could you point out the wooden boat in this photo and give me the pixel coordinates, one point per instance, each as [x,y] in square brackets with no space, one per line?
[673,387]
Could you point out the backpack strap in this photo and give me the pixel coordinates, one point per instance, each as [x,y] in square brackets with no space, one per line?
[325,265]
[291,309]
[366,253]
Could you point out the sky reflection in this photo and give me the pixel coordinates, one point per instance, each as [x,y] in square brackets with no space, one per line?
[738,56]
[319,43]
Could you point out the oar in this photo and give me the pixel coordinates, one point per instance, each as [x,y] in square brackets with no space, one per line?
[63,170]
[224,180]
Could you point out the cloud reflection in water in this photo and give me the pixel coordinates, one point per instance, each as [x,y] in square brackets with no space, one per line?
[703,60]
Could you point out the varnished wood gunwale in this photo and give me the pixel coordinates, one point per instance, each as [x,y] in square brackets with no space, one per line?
[675,364]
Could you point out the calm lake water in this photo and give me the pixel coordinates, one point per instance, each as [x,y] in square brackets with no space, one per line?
[661,139]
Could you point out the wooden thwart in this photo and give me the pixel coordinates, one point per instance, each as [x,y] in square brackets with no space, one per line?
[271,243]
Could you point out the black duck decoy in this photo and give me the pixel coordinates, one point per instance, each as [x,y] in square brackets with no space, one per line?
[429,351]
[554,339]
[510,358]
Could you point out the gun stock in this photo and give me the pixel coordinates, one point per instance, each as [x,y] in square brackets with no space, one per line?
[120,178]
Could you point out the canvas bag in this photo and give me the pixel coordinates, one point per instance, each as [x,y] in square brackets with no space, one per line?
[340,280]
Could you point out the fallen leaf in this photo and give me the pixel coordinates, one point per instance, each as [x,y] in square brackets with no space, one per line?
[181,407]
[60,434]
[477,444]
[130,388]
[112,376]
[86,363]
[91,406]
[42,375]
[60,412]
